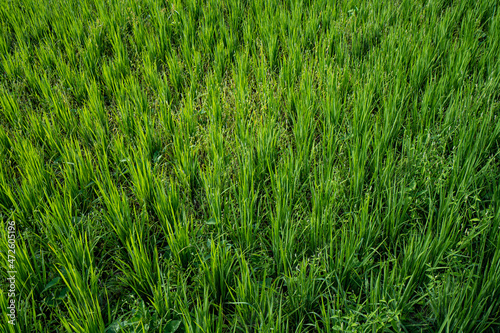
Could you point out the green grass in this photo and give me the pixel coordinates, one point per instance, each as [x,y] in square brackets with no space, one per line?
[251,166]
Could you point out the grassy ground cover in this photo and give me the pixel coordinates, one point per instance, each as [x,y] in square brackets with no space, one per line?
[250,166]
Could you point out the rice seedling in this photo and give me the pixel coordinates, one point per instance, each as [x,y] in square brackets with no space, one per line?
[249,166]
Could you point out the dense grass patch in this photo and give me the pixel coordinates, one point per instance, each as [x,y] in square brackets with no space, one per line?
[251,166]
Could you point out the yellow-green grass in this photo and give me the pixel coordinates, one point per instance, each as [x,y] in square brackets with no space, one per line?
[250,166]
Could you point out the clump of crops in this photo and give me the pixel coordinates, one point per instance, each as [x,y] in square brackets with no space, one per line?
[250,166]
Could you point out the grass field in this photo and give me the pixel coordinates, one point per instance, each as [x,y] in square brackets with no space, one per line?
[250,166]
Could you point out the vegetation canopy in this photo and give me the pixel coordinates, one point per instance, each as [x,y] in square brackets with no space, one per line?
[250,166]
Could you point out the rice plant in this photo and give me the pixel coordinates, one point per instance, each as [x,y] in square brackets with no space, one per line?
[249,166]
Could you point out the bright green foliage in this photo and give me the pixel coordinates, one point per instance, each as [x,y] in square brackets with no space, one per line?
[251,166]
